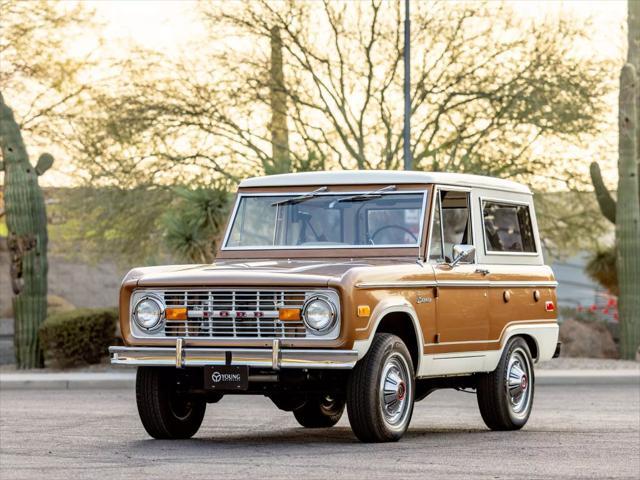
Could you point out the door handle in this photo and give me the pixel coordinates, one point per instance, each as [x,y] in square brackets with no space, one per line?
[483,271]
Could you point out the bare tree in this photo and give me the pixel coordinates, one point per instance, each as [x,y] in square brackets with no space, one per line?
[38,75]
[486,87]
[288,86]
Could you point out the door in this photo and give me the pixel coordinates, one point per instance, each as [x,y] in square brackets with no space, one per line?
[462,303]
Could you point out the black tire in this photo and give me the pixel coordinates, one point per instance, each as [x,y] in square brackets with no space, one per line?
[165,414]
[499,408]
[370,420]
[321,411]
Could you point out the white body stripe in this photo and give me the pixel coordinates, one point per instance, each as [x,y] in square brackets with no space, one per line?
[460,363]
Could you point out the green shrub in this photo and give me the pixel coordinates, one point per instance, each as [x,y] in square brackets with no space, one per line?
[78,337]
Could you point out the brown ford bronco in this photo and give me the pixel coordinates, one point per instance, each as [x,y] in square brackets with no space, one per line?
[368,290]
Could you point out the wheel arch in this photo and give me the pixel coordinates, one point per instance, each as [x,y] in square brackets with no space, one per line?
[541,339]
[531,343]
[398,317]
[400,324]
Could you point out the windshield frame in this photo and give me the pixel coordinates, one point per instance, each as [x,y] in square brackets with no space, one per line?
[414,248]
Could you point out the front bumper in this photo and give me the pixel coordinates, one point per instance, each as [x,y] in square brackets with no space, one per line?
[274,358]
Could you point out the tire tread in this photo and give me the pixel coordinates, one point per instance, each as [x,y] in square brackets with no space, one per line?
[152,398]
[364,416]
[493,405]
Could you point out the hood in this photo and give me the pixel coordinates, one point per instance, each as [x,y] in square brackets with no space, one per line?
[255,272]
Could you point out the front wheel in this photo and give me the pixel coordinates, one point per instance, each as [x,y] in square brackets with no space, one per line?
[165,412]
[320,412]
[380,392]
[505,396]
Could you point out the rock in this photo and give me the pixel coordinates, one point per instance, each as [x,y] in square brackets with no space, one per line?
[587,339]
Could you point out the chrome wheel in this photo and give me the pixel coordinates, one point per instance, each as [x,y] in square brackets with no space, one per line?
[395,391]
[518,383]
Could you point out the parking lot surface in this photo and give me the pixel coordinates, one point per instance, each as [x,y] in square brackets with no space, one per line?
[574,432]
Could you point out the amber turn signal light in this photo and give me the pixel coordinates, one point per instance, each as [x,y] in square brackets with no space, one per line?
[289,314]
[175,313]
[364,310]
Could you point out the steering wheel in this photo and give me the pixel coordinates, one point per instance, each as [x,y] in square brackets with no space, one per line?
[397,227]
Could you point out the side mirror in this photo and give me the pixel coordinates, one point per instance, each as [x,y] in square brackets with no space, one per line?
[462,253]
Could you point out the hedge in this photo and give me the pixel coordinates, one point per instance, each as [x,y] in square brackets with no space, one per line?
[78,337]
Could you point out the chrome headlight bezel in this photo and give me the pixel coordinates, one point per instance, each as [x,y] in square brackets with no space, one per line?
[161,313]
[331,311]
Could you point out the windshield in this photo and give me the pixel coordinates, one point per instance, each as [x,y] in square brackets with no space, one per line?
[324,220]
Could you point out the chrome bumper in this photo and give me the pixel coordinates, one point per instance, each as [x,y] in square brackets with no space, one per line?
[274,358]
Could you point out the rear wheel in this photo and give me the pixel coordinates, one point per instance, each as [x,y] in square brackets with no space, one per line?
[166,413]
[321,411]
[380,393]
[505,396]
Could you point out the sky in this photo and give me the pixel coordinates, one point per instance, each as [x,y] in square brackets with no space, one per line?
[168,25]
[171,27]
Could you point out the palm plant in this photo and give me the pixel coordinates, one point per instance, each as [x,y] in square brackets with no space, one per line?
[195,223]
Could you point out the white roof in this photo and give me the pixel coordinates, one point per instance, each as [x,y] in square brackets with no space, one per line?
[385,177]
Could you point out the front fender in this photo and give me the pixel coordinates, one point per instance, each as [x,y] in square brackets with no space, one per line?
[392,304]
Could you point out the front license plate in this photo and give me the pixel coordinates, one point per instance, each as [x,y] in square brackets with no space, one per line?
[226,377]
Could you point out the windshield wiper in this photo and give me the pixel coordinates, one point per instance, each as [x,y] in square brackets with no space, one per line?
[363,197]
[301,198]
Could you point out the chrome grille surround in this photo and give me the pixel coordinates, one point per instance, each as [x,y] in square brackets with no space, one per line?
[235,313]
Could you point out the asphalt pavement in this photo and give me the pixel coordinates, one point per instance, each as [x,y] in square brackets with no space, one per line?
[574,432]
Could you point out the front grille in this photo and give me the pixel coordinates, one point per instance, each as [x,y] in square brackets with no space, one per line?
[235,313]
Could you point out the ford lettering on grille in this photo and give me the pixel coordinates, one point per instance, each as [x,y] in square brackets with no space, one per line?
[236,313]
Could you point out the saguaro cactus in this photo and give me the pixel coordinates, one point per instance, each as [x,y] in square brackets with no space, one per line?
[628,216]
[27,224]
[625,213]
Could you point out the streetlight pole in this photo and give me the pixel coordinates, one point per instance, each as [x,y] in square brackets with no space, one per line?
[408,160]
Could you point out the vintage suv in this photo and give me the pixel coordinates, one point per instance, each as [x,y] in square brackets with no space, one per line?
[369,289]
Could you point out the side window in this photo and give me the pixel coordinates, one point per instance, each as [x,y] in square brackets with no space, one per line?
[452,220]
[507,227]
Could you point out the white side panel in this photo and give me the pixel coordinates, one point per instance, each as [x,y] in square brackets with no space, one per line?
[458,363]
[442,364]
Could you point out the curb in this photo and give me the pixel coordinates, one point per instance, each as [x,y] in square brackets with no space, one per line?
[126,380]
[67,381]
[588,377]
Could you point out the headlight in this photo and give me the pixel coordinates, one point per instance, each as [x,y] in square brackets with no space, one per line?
[319,314]
[148,312]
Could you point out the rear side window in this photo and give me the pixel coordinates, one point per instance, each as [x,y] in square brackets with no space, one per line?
[507,227]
